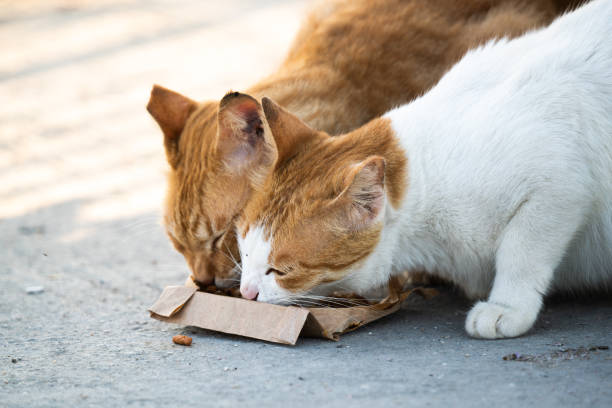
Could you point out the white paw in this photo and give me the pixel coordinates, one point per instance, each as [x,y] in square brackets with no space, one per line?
[489,320]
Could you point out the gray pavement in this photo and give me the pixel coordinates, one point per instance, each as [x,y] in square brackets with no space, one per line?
[81,184]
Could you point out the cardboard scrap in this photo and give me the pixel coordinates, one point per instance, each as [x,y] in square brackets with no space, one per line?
[187,306]
[226,314]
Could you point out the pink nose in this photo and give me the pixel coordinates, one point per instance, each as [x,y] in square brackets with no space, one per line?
[249,292]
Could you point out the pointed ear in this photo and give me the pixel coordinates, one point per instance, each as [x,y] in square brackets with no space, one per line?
[288,131]
[364,193]
[243,140]
[171,111]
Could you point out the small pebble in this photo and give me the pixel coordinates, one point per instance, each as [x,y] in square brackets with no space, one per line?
[34,290]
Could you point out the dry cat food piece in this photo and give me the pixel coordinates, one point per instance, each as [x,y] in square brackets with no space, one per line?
[182,340]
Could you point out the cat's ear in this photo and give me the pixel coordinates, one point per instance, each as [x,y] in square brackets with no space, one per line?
[171,111]
[364,193]
[244,140]
[288,131]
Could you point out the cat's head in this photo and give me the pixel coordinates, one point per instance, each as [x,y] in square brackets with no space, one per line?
[319,215]
[216,151]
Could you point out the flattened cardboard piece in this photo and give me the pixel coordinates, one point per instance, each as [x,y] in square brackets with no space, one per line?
[172,300]
[263,321]
[279,324]
[330,323]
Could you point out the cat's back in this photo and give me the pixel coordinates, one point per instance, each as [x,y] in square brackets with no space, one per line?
[398,49]
[580,42]
[559,91]
[551,87]
[514,113]
[575,50]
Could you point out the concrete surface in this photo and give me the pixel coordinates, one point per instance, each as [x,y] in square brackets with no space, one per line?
[81,182]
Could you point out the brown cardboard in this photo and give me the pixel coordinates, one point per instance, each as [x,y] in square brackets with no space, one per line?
[279,324]
[186,305]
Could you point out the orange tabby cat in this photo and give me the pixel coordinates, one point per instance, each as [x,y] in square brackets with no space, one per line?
[351,61]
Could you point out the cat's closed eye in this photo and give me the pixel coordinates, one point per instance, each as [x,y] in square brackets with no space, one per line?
[275,271]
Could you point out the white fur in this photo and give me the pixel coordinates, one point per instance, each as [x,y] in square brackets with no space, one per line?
[510,176]
[510,167]
[254,252]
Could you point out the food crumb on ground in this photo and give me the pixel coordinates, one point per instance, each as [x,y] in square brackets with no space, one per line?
[182,340]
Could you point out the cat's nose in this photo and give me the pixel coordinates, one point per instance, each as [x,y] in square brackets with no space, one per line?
[203,271]
[249,292]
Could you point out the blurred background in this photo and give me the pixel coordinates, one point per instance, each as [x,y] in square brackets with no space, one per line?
[75,77]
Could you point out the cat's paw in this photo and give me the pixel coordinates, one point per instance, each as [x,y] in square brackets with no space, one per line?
[489,320]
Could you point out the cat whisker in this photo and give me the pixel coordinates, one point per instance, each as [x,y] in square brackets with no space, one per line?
[326,301]
[343,298]
[230,256]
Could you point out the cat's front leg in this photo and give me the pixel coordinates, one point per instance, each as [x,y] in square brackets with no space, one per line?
[531,247]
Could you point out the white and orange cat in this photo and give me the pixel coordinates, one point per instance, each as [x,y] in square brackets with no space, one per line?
[498,179]
[351,61]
